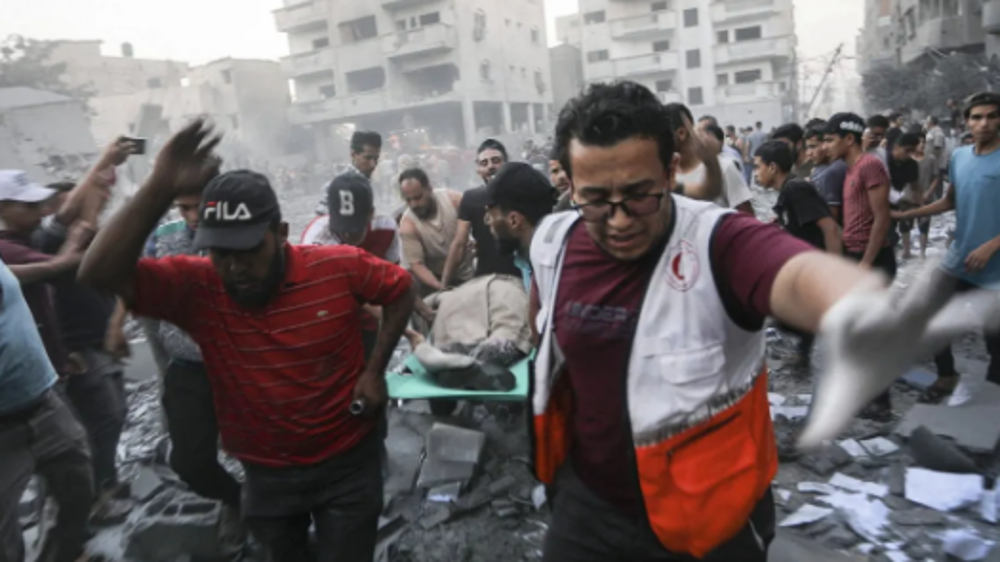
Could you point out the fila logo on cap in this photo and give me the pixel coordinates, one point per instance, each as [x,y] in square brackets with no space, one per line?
[221,211]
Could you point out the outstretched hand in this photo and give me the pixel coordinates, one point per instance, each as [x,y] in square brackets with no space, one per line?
[872,336]
[186,163]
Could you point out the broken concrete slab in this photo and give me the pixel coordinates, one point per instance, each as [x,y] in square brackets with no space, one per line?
[451,443]
[826,460]
[447,493]
[146,484]
[853,447]
[539,497]
[436,472]
[502,485]
[934,453]
[435,517]
[918,517]
[879,446]
[805,515]
[175,526]
[788,547]
[963,424]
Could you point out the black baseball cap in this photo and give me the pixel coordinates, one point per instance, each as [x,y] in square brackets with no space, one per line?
[236,210]
[350,202]
[518,186]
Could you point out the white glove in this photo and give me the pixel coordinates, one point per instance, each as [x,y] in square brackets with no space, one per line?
[872,336]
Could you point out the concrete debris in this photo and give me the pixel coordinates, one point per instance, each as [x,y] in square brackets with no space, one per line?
[934,453]
[966,545]
[879,446]
[964,425]
[502,485]
[775,399]
[435,517]
[826,460]
[435,472]
[146,485]
[919,378]
[943,491]
[918,517]
[853,448]
[450,443]
[175,526]
[816,488]
[447,493]
[854,485]
[805,515]
[791,413]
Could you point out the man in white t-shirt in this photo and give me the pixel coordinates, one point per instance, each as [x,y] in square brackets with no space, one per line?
[691,171]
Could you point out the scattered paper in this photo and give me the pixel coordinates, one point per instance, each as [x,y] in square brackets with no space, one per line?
[942,491]
[854,485]
[988,506]
[897,556]
[775,399]
[791,412]
[867,518]
[805,515]
[966,545]
[965,391]
[805,398]
[815,488]
[879,446]
[784,496]
[853,448]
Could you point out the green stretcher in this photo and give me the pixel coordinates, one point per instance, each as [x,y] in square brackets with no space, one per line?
[421,386]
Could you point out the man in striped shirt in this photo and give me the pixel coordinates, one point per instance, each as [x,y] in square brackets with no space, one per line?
[279,327]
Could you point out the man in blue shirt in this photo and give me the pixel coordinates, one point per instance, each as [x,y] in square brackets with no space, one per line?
[518,198]
[38,435]
[972,259]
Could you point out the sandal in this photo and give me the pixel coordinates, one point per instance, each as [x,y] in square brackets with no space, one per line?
[939,391]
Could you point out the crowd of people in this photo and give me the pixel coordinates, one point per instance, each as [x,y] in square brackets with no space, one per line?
[650,281]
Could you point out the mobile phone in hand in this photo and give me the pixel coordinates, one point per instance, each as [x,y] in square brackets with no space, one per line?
[139,143]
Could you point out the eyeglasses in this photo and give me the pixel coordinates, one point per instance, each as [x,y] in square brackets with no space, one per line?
[634,206]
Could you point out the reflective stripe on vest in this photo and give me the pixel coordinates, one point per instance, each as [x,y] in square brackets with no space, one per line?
[696,390]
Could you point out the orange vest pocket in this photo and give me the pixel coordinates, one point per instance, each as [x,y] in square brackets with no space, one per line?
[700,486]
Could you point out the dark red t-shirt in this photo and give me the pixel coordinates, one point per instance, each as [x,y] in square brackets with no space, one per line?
[17,251]
[596,312]
[282,376]
[866,174]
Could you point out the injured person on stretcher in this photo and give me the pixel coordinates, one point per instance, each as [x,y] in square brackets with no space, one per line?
[480,331]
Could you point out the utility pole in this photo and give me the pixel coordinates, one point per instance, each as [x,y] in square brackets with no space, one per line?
[826,74]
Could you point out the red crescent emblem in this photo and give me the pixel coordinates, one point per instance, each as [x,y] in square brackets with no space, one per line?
[676,266]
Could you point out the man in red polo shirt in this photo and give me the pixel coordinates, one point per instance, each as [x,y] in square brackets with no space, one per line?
[279,327]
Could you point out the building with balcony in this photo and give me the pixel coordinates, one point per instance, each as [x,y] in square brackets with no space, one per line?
[459,70]
[916,32]
[733,59]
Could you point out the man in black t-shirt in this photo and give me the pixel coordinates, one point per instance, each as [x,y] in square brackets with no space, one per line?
[800,210]
[472,220]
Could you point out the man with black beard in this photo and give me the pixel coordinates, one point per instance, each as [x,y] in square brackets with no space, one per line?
[519,197]
[471,220]
[279,327]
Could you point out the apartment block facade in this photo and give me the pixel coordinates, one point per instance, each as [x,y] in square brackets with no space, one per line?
[915,32]
[460,69]
[734,59]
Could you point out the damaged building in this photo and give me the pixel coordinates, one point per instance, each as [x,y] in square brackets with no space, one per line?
[459,70]
[43,133]
[247,99]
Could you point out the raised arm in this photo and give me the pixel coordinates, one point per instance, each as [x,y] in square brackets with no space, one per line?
[184,165]
[711,187]
[86,201]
